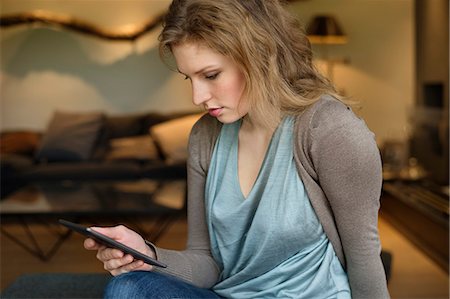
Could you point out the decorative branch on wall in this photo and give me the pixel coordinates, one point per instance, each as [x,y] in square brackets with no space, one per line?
[130,33]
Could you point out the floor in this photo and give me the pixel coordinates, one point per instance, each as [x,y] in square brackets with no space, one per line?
[413,274]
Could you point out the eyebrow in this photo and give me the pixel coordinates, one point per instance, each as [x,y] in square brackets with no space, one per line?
[199,71]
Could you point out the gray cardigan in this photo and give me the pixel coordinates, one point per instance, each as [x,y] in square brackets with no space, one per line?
[339,163]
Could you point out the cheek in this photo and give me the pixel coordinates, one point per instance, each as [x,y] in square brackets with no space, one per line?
[234,89]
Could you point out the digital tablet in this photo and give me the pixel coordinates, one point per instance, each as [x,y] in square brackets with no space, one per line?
[107,241]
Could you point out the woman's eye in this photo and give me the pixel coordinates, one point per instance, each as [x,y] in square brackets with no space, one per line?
[186,78]
[212,77]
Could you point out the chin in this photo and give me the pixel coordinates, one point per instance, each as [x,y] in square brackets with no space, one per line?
[228,120]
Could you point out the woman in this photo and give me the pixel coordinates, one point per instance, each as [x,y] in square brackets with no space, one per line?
[283,179]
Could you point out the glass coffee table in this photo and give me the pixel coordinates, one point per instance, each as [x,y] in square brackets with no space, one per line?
[92,203]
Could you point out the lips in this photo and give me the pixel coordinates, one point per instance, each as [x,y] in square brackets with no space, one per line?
[215,112]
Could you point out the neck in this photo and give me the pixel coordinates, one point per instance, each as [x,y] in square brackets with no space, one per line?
[250,126]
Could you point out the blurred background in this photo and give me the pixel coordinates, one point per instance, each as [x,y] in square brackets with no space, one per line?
[389,55]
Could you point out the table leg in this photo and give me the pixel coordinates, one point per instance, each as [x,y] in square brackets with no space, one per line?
[33,246]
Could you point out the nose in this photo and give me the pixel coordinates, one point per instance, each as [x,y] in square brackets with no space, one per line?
[200,93]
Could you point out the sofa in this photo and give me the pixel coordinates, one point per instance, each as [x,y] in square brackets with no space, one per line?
[96,146]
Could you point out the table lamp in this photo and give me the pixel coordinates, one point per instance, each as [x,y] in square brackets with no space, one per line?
[325,30]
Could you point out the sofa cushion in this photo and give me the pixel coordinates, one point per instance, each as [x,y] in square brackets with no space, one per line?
[117,126]
[70,136]
[121,126]
[172,137]
[19,142]
[140,148]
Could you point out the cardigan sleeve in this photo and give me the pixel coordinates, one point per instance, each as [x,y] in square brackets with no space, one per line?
[348,167]
[195,264]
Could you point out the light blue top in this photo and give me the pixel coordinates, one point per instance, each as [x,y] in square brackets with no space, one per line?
[270,244]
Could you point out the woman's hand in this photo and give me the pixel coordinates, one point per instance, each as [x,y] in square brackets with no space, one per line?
[114,260]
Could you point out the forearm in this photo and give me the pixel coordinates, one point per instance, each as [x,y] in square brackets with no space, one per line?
[194,266]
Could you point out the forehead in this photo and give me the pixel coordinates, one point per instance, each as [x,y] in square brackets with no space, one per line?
[193,49]
[192,55]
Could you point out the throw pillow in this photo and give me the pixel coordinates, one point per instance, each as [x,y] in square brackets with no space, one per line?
[19,142]
[120,126]
[70,136]
[172,137]
[132,148]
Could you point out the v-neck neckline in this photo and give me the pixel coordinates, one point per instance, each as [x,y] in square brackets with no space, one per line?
[235,149]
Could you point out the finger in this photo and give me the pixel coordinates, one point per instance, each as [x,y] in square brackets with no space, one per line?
[135,265]
[115,264]
[90,244]
[106,254]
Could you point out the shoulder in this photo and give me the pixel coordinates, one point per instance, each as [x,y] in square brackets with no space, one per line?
[327,111]
[202,139]
[328,130]
[329,115]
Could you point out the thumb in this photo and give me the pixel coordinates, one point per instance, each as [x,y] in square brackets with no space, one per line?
[113,232]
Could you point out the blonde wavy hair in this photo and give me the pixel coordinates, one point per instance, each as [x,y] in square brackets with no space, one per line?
[266,42]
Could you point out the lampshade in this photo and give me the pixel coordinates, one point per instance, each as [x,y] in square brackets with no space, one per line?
[324,29]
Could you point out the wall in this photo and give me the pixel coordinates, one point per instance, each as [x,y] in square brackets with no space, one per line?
[45,69]
[380,49]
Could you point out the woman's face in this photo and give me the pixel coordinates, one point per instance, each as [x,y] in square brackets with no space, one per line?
[217,82]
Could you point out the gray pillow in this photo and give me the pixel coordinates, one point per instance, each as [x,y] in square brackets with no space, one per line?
[70,136]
